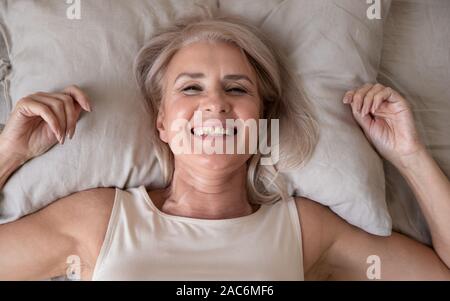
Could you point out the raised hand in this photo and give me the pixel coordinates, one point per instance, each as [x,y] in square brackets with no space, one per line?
[387,121]
[40,120]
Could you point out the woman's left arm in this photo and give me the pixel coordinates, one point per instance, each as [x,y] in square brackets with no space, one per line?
[432,190]
[387,121]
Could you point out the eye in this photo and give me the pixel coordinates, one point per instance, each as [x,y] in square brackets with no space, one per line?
[191,90]
[236,90]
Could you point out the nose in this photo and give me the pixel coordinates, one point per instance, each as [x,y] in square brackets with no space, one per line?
[215,104]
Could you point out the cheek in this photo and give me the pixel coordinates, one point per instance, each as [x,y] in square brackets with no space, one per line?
[178,109]
[176,118]
[248,110]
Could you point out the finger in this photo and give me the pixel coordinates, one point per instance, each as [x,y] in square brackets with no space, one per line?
[77,116]
[29,107]
[363,121]
[368,99]
[79,96]
[348,96]
[359,97]
[71,113]
[58,108]
[384,94]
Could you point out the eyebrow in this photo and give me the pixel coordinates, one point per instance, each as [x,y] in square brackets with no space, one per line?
[226,77]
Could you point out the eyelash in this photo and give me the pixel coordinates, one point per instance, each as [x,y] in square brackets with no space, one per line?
[198,88]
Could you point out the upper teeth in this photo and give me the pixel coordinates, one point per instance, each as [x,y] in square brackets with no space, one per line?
[213,131]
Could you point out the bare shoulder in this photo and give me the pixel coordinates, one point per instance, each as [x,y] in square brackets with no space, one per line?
[39,244]
[81,208]
[84,216]
[84,203]
[317,217]
[320,227]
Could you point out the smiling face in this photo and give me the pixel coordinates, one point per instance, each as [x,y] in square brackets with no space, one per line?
[216,80]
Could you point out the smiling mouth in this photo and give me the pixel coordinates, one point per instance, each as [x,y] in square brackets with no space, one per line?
[213,131]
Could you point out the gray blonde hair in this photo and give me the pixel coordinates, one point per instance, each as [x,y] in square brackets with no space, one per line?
[281,94]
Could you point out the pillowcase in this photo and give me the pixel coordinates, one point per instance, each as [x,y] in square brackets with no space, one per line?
[334,47]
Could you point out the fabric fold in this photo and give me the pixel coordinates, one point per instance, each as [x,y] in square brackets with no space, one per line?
[5,69]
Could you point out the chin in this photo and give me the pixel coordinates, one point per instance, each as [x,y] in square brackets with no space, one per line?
[216,162]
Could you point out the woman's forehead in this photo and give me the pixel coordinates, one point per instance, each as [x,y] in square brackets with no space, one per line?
[210,57]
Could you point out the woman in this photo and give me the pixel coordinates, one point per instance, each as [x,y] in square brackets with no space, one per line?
[214,220]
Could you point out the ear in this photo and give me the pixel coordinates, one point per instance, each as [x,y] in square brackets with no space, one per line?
[160,126]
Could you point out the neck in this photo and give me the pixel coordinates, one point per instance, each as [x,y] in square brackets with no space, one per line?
[207,194]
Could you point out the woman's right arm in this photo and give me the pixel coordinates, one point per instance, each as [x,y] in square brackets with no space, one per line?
[38,245]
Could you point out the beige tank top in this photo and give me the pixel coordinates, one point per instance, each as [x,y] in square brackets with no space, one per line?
[144,243]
